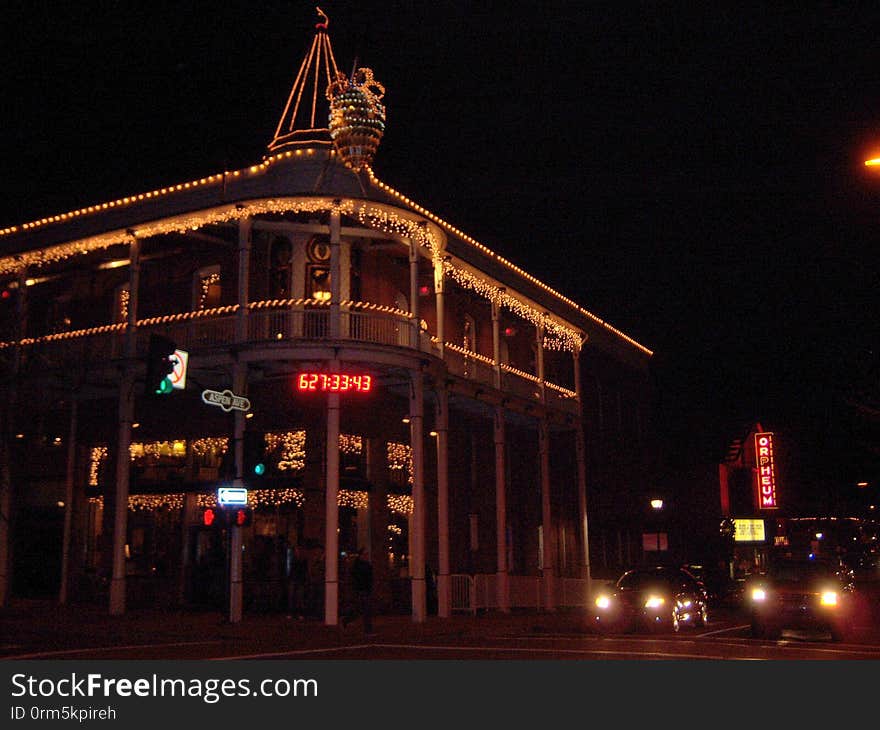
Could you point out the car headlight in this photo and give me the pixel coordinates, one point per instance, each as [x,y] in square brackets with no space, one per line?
[829,598]
[603,602]
[759,594]
[654,601]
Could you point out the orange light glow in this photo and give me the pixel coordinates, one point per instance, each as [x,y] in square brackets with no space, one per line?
[873,162]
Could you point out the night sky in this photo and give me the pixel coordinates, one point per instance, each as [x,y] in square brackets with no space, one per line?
[694,177]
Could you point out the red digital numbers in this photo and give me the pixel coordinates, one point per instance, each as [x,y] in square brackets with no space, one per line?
[334,382]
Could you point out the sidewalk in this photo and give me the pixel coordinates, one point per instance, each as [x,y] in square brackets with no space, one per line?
[38,626]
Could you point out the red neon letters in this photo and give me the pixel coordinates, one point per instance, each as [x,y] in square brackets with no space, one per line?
[334,383]
[766,471]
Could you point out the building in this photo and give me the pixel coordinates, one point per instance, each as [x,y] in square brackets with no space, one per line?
[405,389]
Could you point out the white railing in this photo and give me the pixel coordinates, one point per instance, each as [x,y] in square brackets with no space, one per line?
[472,593]
[282,321]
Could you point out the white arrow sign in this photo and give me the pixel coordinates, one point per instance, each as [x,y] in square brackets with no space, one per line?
[227,400]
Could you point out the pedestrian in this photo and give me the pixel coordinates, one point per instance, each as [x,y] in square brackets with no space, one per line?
[362,585]
[297,583]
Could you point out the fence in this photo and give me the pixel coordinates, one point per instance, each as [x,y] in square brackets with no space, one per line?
[472,593]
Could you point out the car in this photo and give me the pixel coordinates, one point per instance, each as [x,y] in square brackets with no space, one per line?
[658,598]
[806,594]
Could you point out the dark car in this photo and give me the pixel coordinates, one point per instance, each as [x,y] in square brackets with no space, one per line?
[802,594]
[657,598]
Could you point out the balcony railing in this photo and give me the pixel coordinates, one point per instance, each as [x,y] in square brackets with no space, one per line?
[276,322]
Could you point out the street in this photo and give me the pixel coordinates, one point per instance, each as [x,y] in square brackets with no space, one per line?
[44,631]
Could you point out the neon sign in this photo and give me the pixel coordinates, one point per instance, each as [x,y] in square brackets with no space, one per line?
[334,382]
[766,471]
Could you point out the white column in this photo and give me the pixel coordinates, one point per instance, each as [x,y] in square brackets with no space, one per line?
[501,511]
[331,511]
[547,517]
[439,285]
[581,456]
[125,417]
[245,227]
[417,556]
[444,595]
[68,503]
[414,292]
[335,272]
[496,342]
[539,354]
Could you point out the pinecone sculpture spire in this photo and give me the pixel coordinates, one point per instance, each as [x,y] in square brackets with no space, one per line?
[357,117]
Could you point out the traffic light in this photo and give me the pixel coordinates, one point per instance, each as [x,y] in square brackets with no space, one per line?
[222,517]
[160,365]
[213,517]
[240,516]
[256,465]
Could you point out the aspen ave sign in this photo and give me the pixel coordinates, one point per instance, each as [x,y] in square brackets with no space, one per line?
[227,400]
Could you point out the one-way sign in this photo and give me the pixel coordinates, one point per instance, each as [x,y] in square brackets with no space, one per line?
[227,400]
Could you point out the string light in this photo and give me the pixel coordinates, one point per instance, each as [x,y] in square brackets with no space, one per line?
[216,445]
[291,446]
[153,502]
[97,456]
[353,498]
[353,445]
[401,504]
[399,458]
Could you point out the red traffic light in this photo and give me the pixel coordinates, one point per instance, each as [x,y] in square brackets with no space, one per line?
[241,517]
[211,517]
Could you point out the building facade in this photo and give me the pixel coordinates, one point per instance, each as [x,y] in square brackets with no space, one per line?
[405,389]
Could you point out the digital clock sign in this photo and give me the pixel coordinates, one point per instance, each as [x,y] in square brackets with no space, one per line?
[334,382]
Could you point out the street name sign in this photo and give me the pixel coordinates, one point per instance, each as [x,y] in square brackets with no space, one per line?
[227,400]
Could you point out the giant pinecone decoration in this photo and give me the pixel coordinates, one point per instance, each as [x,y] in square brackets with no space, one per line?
[357,117]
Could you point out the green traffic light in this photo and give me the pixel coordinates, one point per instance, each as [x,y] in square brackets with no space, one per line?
[259,469]
[165,387]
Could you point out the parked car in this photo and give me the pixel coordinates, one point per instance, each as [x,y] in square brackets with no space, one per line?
[657,598]
[802,594]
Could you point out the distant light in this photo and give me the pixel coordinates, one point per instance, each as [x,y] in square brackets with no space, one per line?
[60,504]
[819,535]
[873,162]
[657,503]
[135,425]
[405,419]
[862,484]
[248,415]
[433,433]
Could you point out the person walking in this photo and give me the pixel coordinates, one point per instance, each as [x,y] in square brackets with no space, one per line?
[362,584]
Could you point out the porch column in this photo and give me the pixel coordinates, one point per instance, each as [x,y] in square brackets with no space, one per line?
[331,509]
[414,292]
[417,556]
[126,416]
[547,517]
[539,361]
[335,272]
[439,283]
[245,227]
[444,595]
[8,391]
[503,584]
[496,343]
[581,456]
[68,502]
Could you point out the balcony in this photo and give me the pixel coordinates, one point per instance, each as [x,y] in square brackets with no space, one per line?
[274,322]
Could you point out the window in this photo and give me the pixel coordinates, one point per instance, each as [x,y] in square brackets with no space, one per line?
[280,257]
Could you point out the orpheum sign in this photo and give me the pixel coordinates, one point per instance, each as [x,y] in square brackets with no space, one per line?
[766,471]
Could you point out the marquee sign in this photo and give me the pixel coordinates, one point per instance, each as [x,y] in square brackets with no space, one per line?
[766,471]
[748,530]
